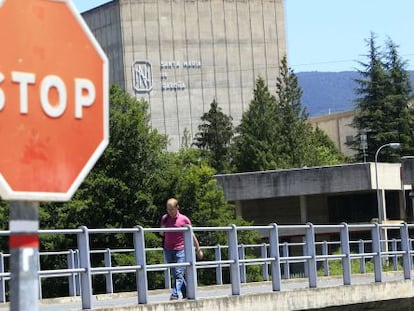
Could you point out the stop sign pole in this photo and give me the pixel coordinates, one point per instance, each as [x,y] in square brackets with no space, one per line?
[54,122]
[24,252]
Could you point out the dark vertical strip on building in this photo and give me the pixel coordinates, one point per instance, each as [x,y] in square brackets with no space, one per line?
[277,39]
[146,54]
[187,69]
[251,45]
[175,69]
[240,56]
[132,39]
[264,41]
[160,55]
[227,56]
[214,50]
[201,58]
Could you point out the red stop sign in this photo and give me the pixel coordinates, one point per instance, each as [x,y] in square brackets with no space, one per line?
[53,100]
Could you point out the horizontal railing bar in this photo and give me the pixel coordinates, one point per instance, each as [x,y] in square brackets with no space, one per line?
[54,253]
[208,229]
[114,230]
[294,258]
[60,231]
[257,260]
[337,256]
[215,262]
[112,269]
[253,228]
[168,265]
[57,271]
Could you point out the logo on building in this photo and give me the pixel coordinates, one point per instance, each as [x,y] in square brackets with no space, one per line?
[142,76]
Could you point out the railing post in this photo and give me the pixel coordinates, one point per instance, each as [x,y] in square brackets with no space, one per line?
[140,259]
[305,266]
[274,254]
[361,250]
[394,257]
[325,252]
[242,256]
[108,276]
[376,249]
[405,246]
[167,275]
[265,266]
[77,275]
[219,268]
[85,263]
[346,261]
[311,252]
[71,277]
[2,280]
[286,265]
[39,278]
[191,270]
[234,257]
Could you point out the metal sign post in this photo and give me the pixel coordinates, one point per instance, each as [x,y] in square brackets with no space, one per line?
[24,249]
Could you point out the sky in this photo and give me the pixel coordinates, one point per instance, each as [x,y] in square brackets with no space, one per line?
[329,35]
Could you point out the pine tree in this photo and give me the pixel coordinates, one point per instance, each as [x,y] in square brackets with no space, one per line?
[371,89]
[214,136]
[295,132]
[382,108]
[255,147]
[402,114]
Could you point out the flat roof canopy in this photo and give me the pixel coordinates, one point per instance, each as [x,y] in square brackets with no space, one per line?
[310,181]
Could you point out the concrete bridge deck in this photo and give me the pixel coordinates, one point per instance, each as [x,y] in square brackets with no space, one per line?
[296,295]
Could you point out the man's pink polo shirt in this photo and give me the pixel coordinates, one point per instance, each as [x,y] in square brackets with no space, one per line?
[174,240]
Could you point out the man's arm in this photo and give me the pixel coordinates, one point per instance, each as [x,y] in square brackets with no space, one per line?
[199,252]
[162,224]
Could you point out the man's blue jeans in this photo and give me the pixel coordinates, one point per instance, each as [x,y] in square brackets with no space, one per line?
[180,284]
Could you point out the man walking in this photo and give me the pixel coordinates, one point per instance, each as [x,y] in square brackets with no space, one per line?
[174,246]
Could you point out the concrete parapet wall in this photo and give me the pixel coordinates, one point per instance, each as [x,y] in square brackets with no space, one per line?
[376,294]
[307,181]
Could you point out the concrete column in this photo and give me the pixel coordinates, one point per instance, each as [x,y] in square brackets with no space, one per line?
[238,209]
[303,209]
[402,204]
[383,211]
[383,205]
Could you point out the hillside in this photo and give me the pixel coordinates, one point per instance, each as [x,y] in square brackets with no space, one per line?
[329,92]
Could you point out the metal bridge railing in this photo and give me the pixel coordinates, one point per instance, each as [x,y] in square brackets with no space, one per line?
[275,258]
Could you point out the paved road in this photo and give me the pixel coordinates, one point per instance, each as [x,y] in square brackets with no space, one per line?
[157,296]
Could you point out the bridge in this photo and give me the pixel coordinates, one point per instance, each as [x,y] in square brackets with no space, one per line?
[296,276]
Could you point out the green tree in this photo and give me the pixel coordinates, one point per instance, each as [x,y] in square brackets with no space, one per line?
[255,146]
[214,136]
[275,133]
[326,152]
[294,135]
[383,109]
[398,100]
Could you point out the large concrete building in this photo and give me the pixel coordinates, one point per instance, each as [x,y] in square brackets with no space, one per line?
[179,55]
